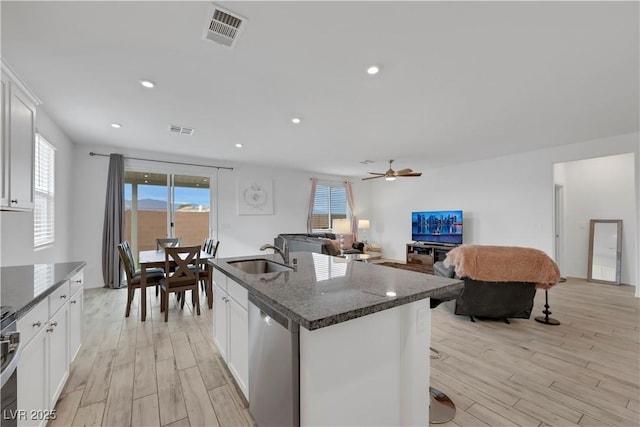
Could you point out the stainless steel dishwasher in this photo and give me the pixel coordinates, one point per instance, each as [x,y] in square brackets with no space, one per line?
[274,367]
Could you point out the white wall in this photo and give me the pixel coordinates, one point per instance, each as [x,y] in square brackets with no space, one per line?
[238,234]
[601,188]
[506,200]
[17,227]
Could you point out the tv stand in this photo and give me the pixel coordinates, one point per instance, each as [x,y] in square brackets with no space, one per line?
[427,253]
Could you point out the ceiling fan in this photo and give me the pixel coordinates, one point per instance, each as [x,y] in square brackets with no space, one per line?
[391,175]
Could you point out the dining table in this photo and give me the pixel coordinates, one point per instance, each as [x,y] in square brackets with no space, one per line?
[156,259]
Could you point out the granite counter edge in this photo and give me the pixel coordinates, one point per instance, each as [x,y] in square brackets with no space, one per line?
[340,317]
[20,312]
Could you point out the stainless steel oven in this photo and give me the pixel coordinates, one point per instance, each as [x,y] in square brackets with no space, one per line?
[10,355]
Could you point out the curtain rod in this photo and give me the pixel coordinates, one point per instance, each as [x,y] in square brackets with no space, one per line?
[165,161]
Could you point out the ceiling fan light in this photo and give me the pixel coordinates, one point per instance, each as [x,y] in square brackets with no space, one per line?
[390,178]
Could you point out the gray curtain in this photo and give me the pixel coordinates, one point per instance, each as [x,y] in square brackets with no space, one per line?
[113,231]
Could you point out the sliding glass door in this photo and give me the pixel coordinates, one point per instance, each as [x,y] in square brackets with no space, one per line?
[161,205]
[191,203]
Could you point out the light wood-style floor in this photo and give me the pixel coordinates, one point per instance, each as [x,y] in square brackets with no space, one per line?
[582,372]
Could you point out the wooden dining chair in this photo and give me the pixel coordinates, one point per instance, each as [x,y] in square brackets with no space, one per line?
[134,277]
[208,244]
[169,242]
[183,278]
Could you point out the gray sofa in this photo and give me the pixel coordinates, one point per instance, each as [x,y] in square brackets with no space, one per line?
[316,242]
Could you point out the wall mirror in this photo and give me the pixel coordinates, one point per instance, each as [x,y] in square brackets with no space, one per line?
[605,247]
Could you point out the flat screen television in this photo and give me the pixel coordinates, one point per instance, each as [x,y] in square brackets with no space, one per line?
[443,227]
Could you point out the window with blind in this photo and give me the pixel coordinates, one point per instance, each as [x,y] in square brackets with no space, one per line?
[44,189]
[330,203]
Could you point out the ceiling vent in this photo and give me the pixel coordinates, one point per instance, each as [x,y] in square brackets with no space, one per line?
[181,130]
[223,26]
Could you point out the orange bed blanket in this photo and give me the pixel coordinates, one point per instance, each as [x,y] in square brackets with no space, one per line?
[504,264]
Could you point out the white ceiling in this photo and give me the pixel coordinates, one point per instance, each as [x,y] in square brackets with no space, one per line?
[459,80]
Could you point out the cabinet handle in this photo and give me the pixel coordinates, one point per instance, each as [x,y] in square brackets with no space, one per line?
[77,281]
[14,200]
[37,324]
[50,329]
[54,324]
[63,296]
[72,301]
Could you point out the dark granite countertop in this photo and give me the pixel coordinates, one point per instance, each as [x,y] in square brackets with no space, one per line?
[326,290]
[24,286]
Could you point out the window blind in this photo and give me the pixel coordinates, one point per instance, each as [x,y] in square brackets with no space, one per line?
[44,191]
[330,203]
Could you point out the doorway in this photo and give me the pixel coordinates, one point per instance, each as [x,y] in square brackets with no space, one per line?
[597,188]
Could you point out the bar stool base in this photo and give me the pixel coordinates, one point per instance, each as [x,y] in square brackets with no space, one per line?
[441,408]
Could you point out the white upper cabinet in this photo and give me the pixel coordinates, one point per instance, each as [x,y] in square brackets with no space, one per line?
[18,118]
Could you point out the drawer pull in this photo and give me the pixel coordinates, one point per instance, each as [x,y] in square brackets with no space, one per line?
[14,200]
[37,324]
[50,329]
[63,296]
[54,324]
[72,301]
[77,281]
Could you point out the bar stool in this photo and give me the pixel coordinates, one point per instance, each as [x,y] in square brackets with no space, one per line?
[441,407]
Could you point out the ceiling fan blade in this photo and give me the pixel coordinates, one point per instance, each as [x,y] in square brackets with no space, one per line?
[376,173]
[404,171]
[411,174]
[373,177]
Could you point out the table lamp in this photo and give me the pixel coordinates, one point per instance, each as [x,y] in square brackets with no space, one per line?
[341,227]
[363,224]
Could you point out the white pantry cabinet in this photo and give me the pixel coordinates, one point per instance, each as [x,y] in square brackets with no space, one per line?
[231,327]
[18,117]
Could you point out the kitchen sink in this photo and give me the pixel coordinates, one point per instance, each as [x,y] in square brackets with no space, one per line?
[259,266]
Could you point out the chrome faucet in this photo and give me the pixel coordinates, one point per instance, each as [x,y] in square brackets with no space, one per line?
[284,252]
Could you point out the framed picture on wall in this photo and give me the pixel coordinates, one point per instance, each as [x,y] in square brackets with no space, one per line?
[255,196]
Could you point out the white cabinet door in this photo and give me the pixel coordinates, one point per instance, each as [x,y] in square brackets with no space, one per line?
[33,391]
[75,322]
[238,357]
[22,122]
[220,299]
[58,331]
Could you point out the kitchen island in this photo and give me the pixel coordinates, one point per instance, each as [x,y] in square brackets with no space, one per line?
[362,334]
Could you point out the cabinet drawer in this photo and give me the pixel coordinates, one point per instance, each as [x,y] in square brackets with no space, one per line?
[58,298]
[32,322]
[238,293]
[76,282]
[219,279]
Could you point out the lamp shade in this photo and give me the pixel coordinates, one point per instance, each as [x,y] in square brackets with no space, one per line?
[341,226]
[363,223]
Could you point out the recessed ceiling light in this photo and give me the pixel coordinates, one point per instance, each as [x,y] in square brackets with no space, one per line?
[147,83]
[238,145]
[373,69]
[205,180]
[296,120]
[146,176]
[391,294]
[116,125]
